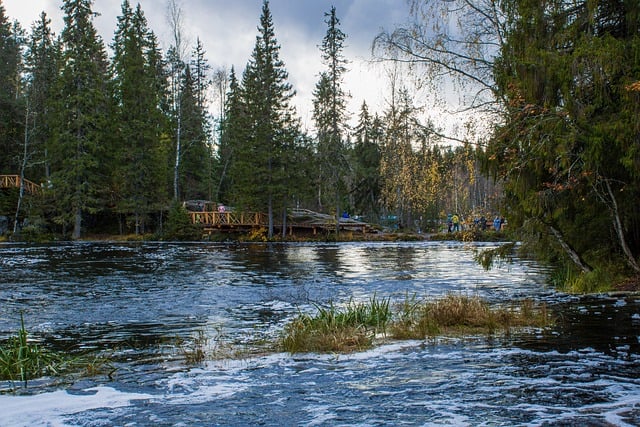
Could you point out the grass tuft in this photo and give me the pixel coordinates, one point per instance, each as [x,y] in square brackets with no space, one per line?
[597,281]
[337,330]
[355,327]
[460,314]
[22,360]
[194,351]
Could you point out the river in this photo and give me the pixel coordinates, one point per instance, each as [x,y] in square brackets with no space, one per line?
[135,301]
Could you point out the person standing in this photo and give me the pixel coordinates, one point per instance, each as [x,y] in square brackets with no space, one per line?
[497,223]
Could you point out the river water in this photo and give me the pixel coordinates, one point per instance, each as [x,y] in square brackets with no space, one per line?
[136,301]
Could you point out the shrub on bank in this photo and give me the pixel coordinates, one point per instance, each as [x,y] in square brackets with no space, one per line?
[179,226]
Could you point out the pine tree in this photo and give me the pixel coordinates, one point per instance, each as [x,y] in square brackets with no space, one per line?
[79,152]
[259,169]
[330,115]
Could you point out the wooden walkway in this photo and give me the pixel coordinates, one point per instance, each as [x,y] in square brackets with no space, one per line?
[14,181]
[299,220]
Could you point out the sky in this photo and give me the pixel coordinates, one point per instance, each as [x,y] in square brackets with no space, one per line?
[228,30]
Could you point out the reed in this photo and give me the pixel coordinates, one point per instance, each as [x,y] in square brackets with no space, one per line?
[22,360]
[212,344]
[597,281]
[194,351]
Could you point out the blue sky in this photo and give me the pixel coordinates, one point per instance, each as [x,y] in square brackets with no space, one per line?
[228,29]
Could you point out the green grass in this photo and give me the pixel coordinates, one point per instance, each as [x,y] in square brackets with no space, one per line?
[600,280]
[335,329]
[355,326]
[22,360]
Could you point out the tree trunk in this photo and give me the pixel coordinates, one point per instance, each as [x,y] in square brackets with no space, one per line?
[575,257]
[222,175]
[23,166]
[337,209]
[176,168]
[77,225]
[270,214]
[617,224]
[284,222]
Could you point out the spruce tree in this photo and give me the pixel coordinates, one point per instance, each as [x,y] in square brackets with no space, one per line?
[80,159]
[232,130]
[330,116]
[200,70]
[567,147]
[11,111]
[366,163]
[259,170]
[138,178]
[199,126]
[41,64]
[195,154]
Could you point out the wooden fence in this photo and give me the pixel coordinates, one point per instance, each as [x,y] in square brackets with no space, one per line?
[229,219]
[310,221]
[14,181]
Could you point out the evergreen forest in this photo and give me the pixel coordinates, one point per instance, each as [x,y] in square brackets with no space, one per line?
[119,134]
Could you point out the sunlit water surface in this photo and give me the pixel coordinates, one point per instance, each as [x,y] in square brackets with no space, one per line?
[136,301]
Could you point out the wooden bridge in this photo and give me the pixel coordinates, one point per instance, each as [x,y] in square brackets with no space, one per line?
[228,220]
[298,220]
[14,181]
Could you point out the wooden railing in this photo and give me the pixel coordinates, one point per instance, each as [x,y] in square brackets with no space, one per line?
[14,181]
[210,220]
[229,219]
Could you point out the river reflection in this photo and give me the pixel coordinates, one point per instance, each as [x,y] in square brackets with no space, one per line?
[132,299]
